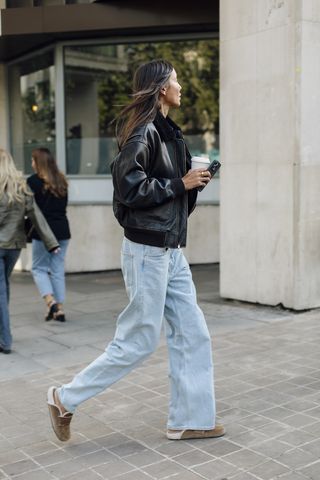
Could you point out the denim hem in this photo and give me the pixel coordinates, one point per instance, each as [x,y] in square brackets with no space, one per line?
[70,410]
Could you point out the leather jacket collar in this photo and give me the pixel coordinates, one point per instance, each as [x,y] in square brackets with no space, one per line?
[166,127]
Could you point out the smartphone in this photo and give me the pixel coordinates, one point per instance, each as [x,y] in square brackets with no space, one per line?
[213,168]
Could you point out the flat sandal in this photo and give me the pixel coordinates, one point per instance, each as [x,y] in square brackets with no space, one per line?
[53,308]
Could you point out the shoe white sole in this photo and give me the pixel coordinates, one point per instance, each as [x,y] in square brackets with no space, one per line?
[50,396]
[216,432]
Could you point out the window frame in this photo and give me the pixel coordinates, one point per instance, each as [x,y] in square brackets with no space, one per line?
[97,189]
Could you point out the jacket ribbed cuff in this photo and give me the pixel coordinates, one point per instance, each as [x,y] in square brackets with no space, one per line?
[178,186]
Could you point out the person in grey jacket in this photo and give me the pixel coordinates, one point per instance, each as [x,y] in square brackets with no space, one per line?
[16,202]
[155,190]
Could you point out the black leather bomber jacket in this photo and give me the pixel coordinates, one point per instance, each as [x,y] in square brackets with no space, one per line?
[150,201]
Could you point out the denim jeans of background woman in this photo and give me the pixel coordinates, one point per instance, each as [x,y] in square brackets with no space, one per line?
[48,270]
[8,259]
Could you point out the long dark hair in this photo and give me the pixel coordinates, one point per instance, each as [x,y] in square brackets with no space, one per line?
[148,80]
[47,169]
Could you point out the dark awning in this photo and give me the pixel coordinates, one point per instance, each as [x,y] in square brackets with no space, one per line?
[26,29]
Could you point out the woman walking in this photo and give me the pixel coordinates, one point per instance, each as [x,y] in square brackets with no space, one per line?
[16,202]
[50,189]
[154,192]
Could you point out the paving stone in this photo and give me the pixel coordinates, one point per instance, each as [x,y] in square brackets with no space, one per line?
[278,413]
[81,448]
[85,475]
[297,458]
[11,457]
[111,440]
[267,384]
[142,459]
[40,474]
[244,458]
[254,421]
[191,459]
[52,457]
[313,429]
[269,470]
[299,420]
[312,472]
[272,448]
[96,458]
[63,469]
[135,475]
[220,447]
[296,437]
[216,469]
[171,449]
[5,446]
[25,440]
[127,448]
[312,447]
[21,466]
[186,475]
[293,476]
[39,448]
[242,476]
[251,437]
[114,468]
[163,469]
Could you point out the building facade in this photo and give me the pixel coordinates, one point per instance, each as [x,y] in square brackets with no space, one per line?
[67,66]
[261,218]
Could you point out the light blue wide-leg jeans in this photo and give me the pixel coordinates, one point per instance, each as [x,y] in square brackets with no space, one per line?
[158,282]
[8,259]
[48,269]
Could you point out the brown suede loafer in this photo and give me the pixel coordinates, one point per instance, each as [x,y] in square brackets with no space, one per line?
[216,432]
[60,421]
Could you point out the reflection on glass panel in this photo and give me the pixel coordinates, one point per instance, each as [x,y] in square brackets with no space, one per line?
[19,3]
[98,81]
[43,3]
[32,108]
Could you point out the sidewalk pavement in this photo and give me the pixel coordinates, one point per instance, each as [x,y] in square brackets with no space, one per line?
[267,368]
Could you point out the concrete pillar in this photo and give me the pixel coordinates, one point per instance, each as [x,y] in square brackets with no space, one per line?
[270,149]
[4,130]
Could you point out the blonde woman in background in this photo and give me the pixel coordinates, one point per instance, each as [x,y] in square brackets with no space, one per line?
[16,202]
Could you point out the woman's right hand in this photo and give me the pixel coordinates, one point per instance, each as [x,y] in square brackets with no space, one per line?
[196,178]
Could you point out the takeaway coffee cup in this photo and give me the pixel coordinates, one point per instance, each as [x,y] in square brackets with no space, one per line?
[199,162]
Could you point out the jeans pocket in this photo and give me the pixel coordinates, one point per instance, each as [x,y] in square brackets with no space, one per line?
[150,251]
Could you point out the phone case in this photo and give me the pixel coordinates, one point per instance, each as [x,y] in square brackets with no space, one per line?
[213,168]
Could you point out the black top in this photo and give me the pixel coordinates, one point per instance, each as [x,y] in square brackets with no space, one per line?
[53,208]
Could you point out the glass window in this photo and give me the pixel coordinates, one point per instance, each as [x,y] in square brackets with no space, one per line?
[32,107]
[98,81]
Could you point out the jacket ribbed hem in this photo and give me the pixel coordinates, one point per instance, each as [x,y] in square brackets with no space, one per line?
[152,238]
[146,237]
